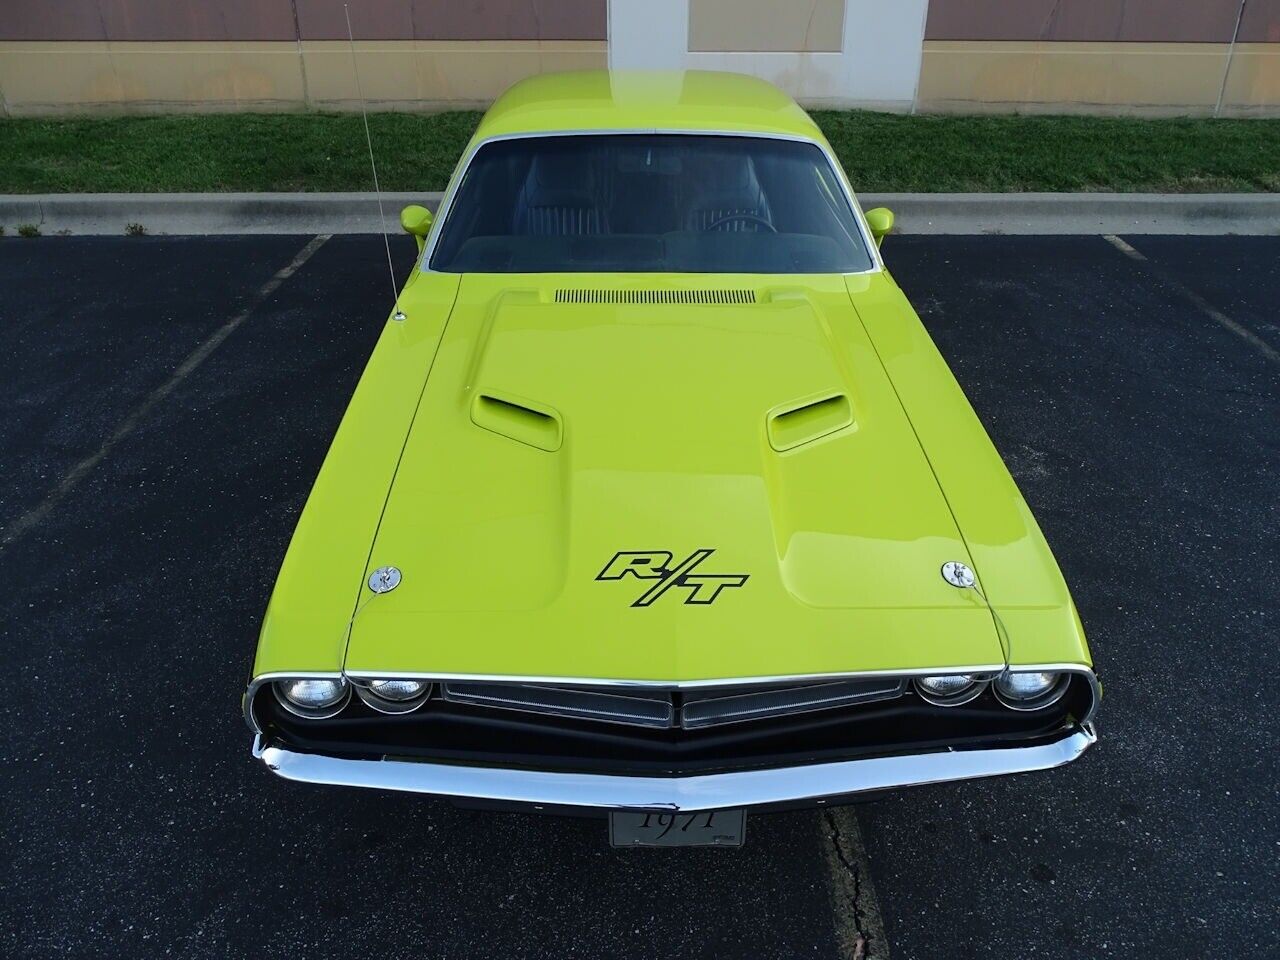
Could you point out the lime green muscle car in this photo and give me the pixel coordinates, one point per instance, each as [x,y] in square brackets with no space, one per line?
[656,498]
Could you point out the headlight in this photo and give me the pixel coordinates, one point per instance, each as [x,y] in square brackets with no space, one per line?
[1030,690]
[950,689]
[393,696]
[397,689]
[315,698]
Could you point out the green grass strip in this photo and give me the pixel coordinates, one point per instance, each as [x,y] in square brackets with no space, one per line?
[881,152]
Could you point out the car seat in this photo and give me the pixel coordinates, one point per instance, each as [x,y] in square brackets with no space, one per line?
[559,198]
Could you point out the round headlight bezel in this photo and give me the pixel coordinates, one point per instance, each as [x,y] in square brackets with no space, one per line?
[321,710]
[1038,701]
[978,683]
[369,696]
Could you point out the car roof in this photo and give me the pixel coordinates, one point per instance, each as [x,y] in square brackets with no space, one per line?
[623,100]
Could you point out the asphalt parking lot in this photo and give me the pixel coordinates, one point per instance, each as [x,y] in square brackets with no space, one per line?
[145,503]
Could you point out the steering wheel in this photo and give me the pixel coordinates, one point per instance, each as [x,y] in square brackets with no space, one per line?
[744,217]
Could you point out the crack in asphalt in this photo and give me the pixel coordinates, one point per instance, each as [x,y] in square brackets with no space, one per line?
[866,939]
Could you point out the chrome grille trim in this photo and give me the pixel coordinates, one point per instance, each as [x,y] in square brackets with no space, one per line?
[716,710]
[583,704]
[659,709]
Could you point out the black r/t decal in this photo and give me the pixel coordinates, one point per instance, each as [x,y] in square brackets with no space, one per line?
[656,565]
[646,565]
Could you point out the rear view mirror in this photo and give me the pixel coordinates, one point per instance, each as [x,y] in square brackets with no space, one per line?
[416,220]
[880,220]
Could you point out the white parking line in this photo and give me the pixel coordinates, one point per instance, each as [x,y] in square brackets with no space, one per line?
[859,928]
[197,356]
[1248,336]
[1123,247]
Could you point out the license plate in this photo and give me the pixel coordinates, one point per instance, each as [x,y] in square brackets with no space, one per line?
[706,828]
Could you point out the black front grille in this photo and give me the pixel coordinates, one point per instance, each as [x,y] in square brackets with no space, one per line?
[578,702]
[445,731]
[709,710]
[642,707]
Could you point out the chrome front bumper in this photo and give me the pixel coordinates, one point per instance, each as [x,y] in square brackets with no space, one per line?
[813,783]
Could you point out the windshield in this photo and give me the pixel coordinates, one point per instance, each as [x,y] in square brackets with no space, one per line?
[650,203]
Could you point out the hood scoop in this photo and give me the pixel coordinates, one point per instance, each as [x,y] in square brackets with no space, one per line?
[518,419]
[792,425]
[586,295]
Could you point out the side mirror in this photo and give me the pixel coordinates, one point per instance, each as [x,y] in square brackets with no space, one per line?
[880,220]
[416,220]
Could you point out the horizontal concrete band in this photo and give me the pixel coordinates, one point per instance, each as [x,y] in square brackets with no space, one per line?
[110,214]
[822,69]
[39,79]
[1152,79]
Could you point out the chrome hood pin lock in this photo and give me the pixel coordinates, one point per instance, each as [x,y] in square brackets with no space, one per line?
[384,579]
[958,575]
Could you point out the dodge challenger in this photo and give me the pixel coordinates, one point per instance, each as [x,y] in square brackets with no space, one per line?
[655,500]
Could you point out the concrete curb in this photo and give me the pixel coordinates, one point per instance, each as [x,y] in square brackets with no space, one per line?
[110,214]
[1083,213]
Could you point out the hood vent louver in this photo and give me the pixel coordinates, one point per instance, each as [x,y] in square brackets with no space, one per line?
[566,295]
[800,423]
[532,423]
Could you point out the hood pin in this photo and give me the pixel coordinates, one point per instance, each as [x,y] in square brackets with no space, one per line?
[384,579]
[957,574]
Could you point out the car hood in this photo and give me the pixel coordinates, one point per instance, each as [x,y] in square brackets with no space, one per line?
[663,482]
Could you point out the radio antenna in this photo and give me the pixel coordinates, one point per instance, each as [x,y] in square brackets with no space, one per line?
[377,191]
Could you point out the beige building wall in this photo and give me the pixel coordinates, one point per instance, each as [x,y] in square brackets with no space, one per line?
[1154,79]
[783,26]
[411,74]
[53,77]
[1253,82]
[158,76]
[1148,57]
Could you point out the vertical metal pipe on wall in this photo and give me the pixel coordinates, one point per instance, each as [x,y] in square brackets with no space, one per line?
[302,60]
[1231,52]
